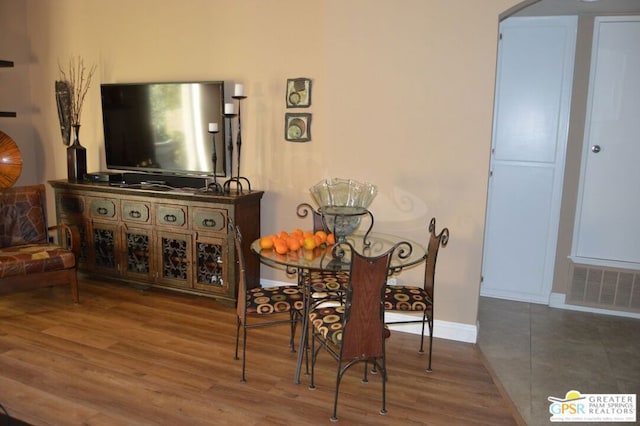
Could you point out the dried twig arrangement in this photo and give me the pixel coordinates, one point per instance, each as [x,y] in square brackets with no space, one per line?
[78,80]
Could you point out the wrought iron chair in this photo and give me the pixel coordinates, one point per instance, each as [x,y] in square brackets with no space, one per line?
[408,298]
[262,302]
[355,331]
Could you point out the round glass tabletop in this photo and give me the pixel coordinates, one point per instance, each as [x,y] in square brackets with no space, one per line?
[408,253]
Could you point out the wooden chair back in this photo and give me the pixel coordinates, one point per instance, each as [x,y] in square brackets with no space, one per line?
[234,232]
[363,334]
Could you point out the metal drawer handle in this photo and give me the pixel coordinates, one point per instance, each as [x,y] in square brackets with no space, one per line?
[102,211]
[210,223]
[135,214]
[170,218]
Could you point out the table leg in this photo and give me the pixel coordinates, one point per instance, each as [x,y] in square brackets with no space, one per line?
[302,347]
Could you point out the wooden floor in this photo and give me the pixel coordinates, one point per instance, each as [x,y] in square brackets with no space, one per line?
[130,357]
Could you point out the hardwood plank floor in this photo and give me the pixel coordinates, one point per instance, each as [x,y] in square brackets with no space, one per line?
[124,356]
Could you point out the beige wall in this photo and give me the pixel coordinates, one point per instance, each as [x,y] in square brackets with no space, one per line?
[402,97]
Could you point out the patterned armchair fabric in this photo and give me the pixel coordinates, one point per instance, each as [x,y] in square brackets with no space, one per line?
[23,216]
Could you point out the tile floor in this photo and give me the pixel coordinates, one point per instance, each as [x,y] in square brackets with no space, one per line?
[537,351]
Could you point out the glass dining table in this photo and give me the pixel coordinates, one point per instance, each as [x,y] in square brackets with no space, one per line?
[408,253]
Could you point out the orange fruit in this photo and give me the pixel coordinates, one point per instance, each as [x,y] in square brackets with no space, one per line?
[309,243]
[307,234]
[281,246]
[283,234]
[266,242]
[318,240]
[322,235]
[331,239]
[293,243]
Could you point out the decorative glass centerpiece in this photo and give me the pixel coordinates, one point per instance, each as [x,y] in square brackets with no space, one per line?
[342,204]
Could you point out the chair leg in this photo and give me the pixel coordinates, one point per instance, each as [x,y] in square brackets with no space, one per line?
[237,336]
[293,318]
[244,351]
[334,417]
[429,370]
[424,319]
[73,279]
[314,355]
[383,411]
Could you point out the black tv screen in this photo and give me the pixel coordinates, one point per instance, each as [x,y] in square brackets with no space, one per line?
[164,127]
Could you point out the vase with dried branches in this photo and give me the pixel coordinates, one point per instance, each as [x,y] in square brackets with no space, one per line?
[71,90]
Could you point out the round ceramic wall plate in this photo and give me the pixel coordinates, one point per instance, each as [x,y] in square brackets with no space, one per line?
[10,161]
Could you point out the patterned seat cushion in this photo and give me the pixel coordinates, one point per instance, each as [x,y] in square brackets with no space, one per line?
[274,299]
[328,322]
[34,258]
[328,281]
[406,298]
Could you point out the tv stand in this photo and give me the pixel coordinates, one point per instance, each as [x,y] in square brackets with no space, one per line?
[174,240]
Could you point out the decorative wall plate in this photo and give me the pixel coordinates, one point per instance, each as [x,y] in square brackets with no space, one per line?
[298,92]
[297,127]
[10,161]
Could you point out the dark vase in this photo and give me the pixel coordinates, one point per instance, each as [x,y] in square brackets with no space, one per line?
[76,158]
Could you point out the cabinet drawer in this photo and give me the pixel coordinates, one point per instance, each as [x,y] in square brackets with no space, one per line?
[70,204]
[171,215]
[135,211]
[102,208]
[209,219]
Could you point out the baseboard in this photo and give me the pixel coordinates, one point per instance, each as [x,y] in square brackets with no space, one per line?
[557,300]
[442,329]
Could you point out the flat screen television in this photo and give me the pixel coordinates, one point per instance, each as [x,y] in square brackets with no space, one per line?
[164,127]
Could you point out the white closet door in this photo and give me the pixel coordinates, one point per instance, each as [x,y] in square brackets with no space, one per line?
[533,93]
[608,214]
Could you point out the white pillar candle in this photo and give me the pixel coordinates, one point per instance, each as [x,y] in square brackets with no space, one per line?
[213,127]
[229,109]
[239,90]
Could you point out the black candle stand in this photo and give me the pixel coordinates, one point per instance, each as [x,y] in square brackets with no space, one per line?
[215,186]
[237,179]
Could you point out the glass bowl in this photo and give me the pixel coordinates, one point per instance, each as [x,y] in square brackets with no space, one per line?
[342,203]
[343,192]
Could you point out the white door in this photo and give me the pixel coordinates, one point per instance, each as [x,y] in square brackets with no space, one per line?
[607,226]
[531,115]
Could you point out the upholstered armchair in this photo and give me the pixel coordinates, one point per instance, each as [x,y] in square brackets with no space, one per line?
[27,259]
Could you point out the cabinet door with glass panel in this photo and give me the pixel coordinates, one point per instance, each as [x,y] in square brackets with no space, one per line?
[211,252]
[103,216]
[210,266]
[173,264]
[137,263]
[136,240]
